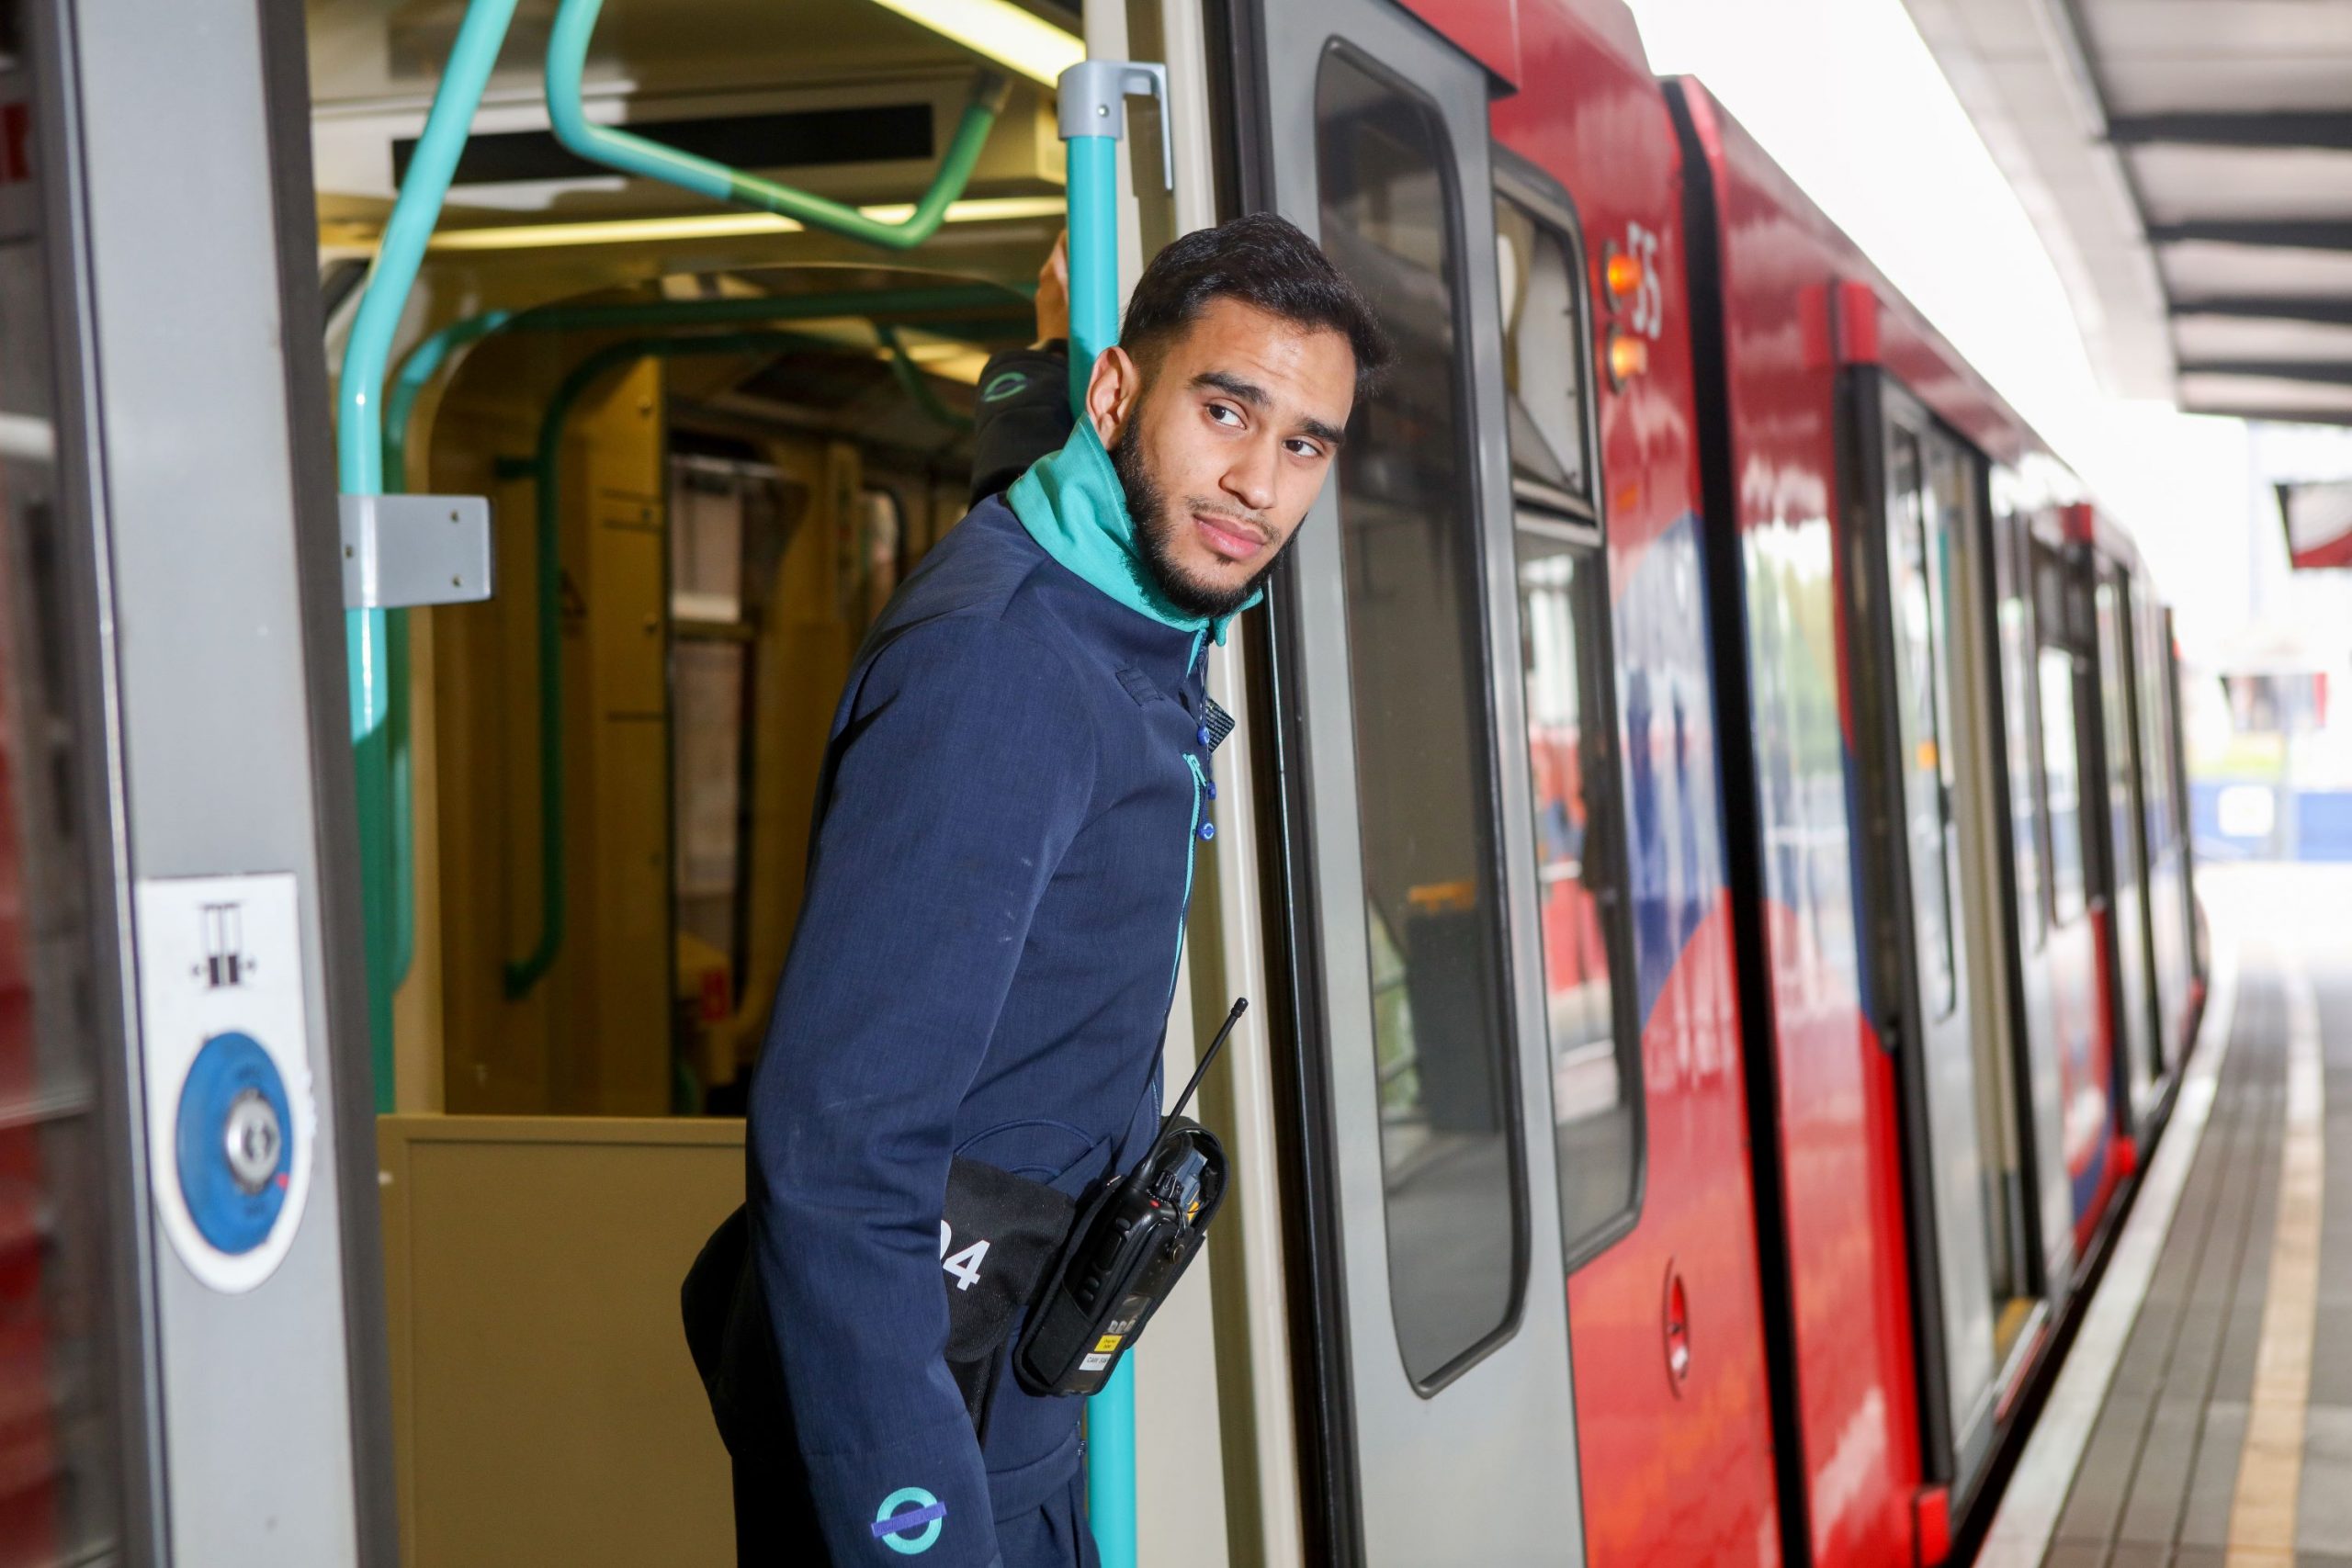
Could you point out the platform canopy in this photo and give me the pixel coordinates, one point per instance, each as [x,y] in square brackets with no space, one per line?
[2188,164]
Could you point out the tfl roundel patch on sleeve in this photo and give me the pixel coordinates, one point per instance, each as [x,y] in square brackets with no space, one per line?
[914,1529]
[1003,385]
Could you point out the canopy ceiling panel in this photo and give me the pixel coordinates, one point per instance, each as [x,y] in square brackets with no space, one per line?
[2227,125]
[2205,339]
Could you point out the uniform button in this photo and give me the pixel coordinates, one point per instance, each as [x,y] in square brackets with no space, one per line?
[1204,734]
[1208,831]
[1211,784]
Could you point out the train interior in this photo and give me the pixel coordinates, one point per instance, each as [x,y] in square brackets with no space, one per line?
[714,441]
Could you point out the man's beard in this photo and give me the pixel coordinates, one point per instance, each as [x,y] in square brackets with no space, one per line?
[1157,529]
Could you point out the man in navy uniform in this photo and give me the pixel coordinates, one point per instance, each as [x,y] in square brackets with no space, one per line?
[1017,784]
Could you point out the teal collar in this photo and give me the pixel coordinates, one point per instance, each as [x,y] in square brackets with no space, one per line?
[1071,503]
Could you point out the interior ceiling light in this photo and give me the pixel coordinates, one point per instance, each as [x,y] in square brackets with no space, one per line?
[1000,31]
[719,225]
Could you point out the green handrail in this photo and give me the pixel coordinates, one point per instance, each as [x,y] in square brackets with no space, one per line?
[416,370]
[915,384]
[359,452]
[547,469]
[575,20]
[425,360]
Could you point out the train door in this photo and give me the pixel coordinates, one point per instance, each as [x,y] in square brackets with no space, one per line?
[2168,850]
[1960,1101]
[188,1339]
[1446,1422]
[2065,705]
[2135,1024]
[2046,1003]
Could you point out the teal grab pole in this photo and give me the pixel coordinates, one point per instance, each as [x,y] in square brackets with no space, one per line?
[1094,166]
[1093,327]
[1111,1466]
[522,975]
[1091,111]
[575,20]
[359,452]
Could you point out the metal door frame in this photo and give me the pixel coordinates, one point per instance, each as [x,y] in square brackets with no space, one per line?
[2142,1098]
[1952,1453]
[1354,1388]
[198,511]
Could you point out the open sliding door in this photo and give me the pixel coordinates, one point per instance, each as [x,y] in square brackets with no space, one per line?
[1446,1420]
[1918,572]
[2143,1065]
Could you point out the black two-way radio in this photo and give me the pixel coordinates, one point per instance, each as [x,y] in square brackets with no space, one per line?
[1127,1250]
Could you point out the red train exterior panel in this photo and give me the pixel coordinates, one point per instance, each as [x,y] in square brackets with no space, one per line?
[1676,1468]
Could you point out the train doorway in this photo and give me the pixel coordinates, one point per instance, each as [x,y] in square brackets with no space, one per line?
[1412,916]
[1975,1280]
[714,441]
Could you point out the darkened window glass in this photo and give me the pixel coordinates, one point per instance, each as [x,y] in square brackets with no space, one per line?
[2015,630]
[1408,526]
[1594,1056]
[2062,784]
[2115,705]
[1916,598]
[60,1500]
[1544,359]
[2155,746]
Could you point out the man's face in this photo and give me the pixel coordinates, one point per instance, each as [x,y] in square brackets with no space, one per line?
[1224,445]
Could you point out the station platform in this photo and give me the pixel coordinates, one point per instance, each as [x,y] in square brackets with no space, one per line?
[2204,1414]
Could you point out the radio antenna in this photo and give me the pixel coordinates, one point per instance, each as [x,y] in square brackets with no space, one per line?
[1203,1070]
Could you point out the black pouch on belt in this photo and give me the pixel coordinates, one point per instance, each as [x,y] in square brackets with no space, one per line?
[998,1233]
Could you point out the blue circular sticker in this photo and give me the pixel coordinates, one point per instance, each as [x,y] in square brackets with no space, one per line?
[925,1519]
[234,1142]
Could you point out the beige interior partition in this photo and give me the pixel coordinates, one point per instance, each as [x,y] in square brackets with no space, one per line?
[545,1409]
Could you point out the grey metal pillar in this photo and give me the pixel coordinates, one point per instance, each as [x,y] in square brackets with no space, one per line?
[197,504]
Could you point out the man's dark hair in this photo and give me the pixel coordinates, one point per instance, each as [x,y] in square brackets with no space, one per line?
[1263,261]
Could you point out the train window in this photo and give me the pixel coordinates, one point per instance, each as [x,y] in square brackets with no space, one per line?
[2155,721]
[1544,359]
[1918,606]
[2062,784]
[2115,710]
[1408,524]
[1594,1057]
[2015,629]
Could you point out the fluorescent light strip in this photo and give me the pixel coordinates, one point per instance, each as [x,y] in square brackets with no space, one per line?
[1000,31]
[718,225]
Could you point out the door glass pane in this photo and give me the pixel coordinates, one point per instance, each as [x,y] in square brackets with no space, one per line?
[58,1469]
[1595,1068]
[2016,631]
[1916,606]
[1408,524]
[2115,705]
[2062,779]
[2155,725]
[1595,1073]
[1544,358]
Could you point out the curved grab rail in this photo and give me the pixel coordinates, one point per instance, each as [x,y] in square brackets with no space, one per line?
[522,975]
[427,359]
[422,362]
[917,387]
[359,451]
[575,20]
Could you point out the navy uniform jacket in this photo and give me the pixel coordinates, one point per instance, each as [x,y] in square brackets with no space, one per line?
[1017,784]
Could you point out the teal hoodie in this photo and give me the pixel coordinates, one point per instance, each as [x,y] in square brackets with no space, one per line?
[1072,505]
